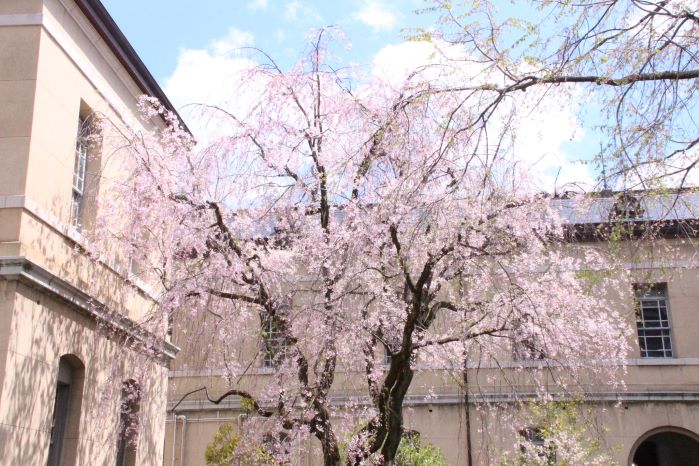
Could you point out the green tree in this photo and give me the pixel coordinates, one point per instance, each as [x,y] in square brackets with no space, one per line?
[559,434]
[413,452]
[223,450]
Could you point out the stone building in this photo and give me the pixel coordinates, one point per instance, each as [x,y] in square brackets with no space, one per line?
[73,366]
[653,420]
[76,368]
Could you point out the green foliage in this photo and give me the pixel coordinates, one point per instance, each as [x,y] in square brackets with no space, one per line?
[412,452]
[593,279]
[563,437]
[222,451]
[247,404]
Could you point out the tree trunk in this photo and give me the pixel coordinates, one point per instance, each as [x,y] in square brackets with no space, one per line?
[390,429]
[331,450]
[324,432]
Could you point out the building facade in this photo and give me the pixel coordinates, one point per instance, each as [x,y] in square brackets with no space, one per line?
[653,419]
[81,382]
[76,367]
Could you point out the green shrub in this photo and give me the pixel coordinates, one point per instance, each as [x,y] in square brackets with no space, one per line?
[222,451]
[412,452]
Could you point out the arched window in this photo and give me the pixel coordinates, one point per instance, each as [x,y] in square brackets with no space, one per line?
[65,427]
[666,446]
[626,207]
[130,406]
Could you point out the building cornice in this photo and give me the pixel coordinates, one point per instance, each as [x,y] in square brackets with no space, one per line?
[105,25]
[114,40]
[458,399]
[633,362]
[33,275]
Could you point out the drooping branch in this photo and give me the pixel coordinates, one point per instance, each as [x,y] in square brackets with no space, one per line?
[233,392]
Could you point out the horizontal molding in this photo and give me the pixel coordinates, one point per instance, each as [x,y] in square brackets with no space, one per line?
[25,271]
[72,234]
[27,19]
[458,399]
[635,362]
[664,362]
[23,202]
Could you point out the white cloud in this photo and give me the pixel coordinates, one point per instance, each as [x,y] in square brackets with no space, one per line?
[540,132]
[291,10]
[540,139]
[393,63]
[376,15]
[255,5]
[295,10]
[232,42]
[210,76]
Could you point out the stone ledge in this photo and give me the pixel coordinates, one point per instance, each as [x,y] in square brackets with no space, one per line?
[25,271]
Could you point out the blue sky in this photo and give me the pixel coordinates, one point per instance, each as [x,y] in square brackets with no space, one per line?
[191,49]
[160,29]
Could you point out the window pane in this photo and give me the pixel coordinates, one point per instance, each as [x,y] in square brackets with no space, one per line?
[652,321]
[80,171]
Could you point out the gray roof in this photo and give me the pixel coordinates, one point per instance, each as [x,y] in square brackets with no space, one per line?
[653,207]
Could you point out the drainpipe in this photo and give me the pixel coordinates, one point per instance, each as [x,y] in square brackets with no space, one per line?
[184,431]
[241,417]
[174,437]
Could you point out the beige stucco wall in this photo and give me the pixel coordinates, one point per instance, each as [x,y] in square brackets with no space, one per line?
[444,425]
[41,330]
[647,381]
[55,65]
[56,70]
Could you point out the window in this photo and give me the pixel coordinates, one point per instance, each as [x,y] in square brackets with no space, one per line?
[525,344]
[85,169]
[386,355]
[79,173]
[626,207]
[127,439]
[273,342]
[66,412]
[652,321]
[534,442]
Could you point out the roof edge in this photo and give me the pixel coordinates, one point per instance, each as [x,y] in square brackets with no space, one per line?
[103,22]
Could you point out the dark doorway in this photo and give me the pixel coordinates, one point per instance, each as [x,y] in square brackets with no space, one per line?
[667,449]
[65,426]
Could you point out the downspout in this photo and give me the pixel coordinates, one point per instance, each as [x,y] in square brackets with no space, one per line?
[184,431]
[240,422]
[241,417]
[174,437]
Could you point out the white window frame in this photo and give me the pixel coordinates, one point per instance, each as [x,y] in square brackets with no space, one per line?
[652,301]
[272,344]
[79,174]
